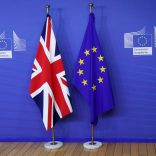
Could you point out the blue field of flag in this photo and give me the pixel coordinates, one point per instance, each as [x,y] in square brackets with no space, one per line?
[142,40]
[5,44]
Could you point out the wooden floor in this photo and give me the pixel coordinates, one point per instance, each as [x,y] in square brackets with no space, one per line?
[76,149]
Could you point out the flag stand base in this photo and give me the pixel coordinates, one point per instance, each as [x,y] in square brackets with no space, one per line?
[95,145]
[55,145]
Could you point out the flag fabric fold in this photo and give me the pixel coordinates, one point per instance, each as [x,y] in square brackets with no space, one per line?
[48,86]
[91,74]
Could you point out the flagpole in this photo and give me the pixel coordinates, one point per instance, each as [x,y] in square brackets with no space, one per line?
[47,8]
[92,127]
[91,7]
[53,136]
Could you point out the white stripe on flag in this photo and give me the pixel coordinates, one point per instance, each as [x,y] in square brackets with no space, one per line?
[65,90]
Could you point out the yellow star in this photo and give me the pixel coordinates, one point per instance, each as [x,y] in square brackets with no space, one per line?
[87,52]
[81,61]
[94,50]
[94,87]
[84,82]
[102,69]
[100,79]
[80,72]
[100,58]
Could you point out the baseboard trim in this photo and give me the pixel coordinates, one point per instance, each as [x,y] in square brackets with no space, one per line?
[79,139]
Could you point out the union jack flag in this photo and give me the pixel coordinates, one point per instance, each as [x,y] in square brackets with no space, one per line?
[48,86]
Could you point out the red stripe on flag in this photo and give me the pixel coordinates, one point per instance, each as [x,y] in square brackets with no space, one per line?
[48,34]
[64,82]
[34,67]
[41,78]
[57,90]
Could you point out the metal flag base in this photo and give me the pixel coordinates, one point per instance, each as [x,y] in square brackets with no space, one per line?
[55,145]
[95,145]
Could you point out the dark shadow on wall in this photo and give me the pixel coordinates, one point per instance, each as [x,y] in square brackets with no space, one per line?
[67,56]
[108,51]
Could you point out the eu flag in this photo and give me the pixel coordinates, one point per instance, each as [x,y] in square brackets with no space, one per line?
[142,40]
[5,44]
[91,74]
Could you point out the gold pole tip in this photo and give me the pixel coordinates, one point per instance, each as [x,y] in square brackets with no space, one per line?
[47,6]
[91,4]
[91,7]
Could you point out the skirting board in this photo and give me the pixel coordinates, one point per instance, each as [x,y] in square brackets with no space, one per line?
[153,140]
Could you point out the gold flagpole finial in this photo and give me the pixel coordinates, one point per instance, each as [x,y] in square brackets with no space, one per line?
[47,8]
[91,7]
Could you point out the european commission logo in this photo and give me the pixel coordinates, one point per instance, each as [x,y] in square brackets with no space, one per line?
[7,45]
[139,41]
[142,40]
[5,48]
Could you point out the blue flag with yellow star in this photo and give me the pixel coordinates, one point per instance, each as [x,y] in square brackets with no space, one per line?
[91,74]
